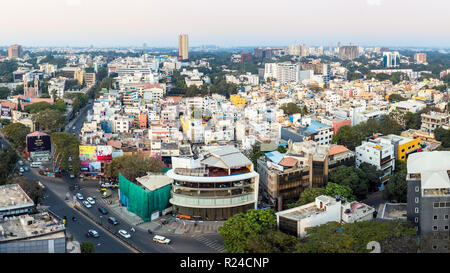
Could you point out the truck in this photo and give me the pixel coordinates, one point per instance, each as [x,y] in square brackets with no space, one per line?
[106,193]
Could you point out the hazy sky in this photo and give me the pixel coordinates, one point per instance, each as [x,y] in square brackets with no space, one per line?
[225,22]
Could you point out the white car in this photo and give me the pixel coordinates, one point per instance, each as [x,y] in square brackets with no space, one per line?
[124,233]
[21,170]
[80,196]
[20,162]
[87,204]
[91,200]
[161,239]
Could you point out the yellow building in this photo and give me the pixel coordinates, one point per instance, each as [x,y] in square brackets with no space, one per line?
[407,146]
[237,100]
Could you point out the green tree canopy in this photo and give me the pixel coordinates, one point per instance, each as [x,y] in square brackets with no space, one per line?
[49,120]
[133,166]
[67,155]
[87,247]
[237,230]
[333,237]
[353,178]
[290,108]
[16,133]
[4,92]
[8,159]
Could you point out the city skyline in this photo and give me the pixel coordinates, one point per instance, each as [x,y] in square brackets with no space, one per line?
[225,24]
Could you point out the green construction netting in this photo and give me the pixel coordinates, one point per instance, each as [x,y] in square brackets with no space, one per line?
[140,201]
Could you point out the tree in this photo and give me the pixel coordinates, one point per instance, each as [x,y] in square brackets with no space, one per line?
[101,74]
[8,159]
[37,107]
[307,196]
[348,137]
[4,92]
[16,133]
[67,155]
[443,136]
[237,230]
[60,105]
[133,166]
[397,186]
[372,174]
[290,108]
[351,177]
[254,153]
[49,120]
[396,97]
[333,189]
[87,247]
[270,241]
[333,237]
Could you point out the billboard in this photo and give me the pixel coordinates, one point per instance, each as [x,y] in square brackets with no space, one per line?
[5,112]
[84,166]
[95,167]
[88,153]
[38,143]
[104,153]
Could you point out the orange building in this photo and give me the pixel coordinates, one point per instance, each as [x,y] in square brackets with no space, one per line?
[143,121]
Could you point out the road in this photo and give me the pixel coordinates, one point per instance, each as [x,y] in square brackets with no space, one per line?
[55,198]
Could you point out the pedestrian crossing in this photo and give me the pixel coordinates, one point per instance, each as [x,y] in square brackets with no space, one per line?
[210,243]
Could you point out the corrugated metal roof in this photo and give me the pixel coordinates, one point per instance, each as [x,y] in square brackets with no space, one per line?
[275,156]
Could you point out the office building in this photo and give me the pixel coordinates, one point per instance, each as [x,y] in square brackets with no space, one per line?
[183,46]
[15,51]
[420,58]
[391,59]
[348,52]
[428,206]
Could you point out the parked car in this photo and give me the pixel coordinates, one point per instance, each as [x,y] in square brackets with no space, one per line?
[80,196]
[21,170]
[35,164]
[72,175]
[124,233]
[93,233]
[20,162]
[26,168]
[161,239]
[91,200]
[113,221]
[103,210]
[87,204]
[76,187]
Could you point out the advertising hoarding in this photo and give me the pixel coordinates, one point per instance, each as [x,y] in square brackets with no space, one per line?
[88,153]
[38,143]
[104,153]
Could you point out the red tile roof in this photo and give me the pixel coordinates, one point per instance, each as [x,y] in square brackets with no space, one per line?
[337,149]
[288,162]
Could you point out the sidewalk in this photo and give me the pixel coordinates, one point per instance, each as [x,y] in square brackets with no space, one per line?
[178,226]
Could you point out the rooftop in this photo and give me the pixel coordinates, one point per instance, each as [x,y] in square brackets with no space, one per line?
[29,226]
[154,182]
[13,196]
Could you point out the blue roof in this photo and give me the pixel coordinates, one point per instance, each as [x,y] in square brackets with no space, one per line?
[315,126]
[274,156]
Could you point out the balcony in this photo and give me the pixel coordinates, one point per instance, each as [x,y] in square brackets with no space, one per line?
[211,202]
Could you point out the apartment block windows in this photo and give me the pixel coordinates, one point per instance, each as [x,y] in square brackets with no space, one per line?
[416,210]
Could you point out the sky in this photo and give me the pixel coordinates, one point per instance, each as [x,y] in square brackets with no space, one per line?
[226,23]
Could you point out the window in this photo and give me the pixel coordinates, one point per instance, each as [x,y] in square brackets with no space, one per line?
[417,188]
[446,228]
[416,200]
[416,210]
[435,228]
[435,217]
[416,219]
[446,217]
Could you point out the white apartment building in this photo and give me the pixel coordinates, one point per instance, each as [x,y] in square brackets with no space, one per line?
[120,125]
[378,152]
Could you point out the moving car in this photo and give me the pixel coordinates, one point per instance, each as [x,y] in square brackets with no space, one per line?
[87,204]
[35,164]
[73,128]
[26,168]
[80,196]
[93,233]
[113,221]
[21,170]
[91,200]
[103,210]
[161,239]
[72,175]
[20,162]
[124,233]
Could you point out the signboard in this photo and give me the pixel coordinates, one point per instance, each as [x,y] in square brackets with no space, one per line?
[40,156]
[95,166]
[5,112]
[117,153]
[84,166]
[88,153]
[104,153]
[39,143]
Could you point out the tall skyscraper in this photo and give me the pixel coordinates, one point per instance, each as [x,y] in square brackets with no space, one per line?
[391,59]
[330,47]
[348,52]
[15,51]
[183,46]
